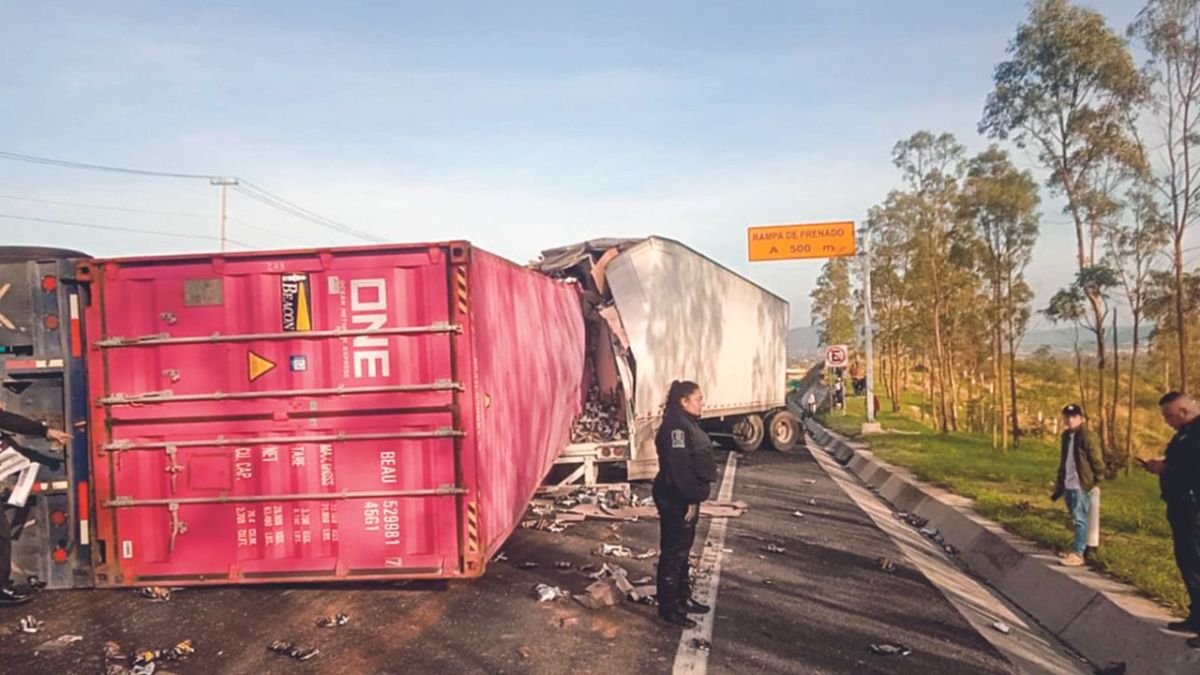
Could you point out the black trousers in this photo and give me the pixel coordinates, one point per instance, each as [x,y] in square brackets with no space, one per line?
[1184,518]
[5,548]
[677,534]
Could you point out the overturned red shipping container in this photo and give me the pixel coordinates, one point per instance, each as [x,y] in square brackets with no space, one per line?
[357,413]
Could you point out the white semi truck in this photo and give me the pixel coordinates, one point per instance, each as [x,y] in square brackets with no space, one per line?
[659,311]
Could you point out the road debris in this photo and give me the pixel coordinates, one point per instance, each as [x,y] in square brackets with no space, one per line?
[288,649]
[502,556]
[600,422]
[701,645]
[912,519]
[567,621]
[1002,627]
[30,624]
[812,502]
[885,563]
[547,593]
[614,551]
[527,565]
[525,652]
[59,643]
[646,594]
[890,650]
[810,481]
[601,593]
[797,514]
[112,652]
[773,548]
[333,621]
[155,593]
[177,653]
[563,565]
[650,553]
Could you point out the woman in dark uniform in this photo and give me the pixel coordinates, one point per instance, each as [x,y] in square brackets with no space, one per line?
[686,470]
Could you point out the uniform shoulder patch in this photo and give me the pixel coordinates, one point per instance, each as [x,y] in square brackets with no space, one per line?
[678,438]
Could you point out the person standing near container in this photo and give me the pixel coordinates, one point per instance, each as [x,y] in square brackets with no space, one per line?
[1080,467]
[18,424]
[686,471]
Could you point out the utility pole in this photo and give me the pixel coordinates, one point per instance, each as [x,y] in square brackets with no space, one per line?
[224,184]
[870,426]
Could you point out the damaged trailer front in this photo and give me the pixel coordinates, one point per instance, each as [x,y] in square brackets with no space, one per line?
[322,415]
[659,311]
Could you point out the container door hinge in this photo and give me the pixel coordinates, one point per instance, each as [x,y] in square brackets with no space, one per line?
[178,527]
[172,467]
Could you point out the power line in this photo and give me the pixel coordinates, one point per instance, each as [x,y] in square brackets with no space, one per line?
[62,163]
[117,228]
[106,207]
[249,189]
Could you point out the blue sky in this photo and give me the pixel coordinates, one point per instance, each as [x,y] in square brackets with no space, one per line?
[519,126]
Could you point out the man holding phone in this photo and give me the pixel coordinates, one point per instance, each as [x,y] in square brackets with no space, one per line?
[1179,480]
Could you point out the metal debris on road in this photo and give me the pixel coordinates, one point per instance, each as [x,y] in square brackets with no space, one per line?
[701,645]
[1002,627]
[333,621]
[30,624]
[177,653]
[798,514]
[563,565]
[155,593]
[890,650]
[502,556]
[772,548]
[885,563]
[547,593]
[527,565]
[288,649]
[140,669]
[59,643]
[600,421]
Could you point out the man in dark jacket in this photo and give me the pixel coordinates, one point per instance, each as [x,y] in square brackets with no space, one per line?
[18,424]
[686,470]
[1080,468]
[1179,480]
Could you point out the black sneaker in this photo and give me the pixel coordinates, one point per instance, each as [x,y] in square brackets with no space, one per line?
[10,597]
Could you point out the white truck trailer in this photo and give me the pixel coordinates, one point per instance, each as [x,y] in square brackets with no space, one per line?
[659,311]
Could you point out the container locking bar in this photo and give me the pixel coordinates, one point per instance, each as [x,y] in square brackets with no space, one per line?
[174,504]
[167,396]
[339,437]
[440,327]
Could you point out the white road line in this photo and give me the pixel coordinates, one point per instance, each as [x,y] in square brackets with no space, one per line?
[687,658]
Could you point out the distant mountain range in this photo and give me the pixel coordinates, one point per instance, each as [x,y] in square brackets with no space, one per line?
[803,342]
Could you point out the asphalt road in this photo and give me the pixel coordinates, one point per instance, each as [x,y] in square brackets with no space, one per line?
[815,608]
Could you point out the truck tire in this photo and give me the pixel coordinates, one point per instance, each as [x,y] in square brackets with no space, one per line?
[783,430]
[748,432]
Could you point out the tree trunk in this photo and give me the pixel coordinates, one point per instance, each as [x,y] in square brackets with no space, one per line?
[1132,376]
[1101,422]
[1012,383]
[1180,323]
[1116,391]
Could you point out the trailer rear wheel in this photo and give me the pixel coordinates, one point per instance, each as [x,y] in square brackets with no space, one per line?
[748,433]
[784,430]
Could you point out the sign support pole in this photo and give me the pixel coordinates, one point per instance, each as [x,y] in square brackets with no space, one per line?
[869,334]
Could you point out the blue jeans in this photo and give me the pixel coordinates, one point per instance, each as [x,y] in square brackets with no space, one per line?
[1078,502]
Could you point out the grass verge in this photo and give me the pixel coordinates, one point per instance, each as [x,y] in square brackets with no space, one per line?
[1013,488]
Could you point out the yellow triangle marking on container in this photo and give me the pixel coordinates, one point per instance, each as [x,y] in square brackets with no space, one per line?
[303,317]
[259,366]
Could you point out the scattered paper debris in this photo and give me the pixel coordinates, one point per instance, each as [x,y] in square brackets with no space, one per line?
[772,548]
[528,565]
[333,621]
[647,555]
[615,551]
[563,565]
[885,563]
[525,652]
[810,481]
[155,593]
[112,651]
[601,593]
[797,514]
[288,649]
[1002,627]
[30,624]
[177,653]
[547,593]
[890,650]
[502,556]
[701,645]
[59,643]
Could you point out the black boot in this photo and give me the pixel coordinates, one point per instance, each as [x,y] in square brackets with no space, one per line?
[676,618]
[694,607]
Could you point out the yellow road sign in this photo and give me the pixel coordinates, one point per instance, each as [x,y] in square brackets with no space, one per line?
[808,240]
